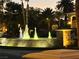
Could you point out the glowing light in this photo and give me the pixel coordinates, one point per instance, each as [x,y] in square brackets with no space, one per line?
[41,44]
[54,27]
[11,43]
[26,34]
[4,28]
[35,35]
[49,37]
[3,41]
[66,38]
[20,32]
[22,44]
[70,23]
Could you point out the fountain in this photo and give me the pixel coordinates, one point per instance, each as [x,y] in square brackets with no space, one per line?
[20,31]
[3,42]
[26,34]
[49,36]
[26,41]
[20,35]
[35,34]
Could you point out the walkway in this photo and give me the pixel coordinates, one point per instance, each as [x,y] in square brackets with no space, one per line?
[54,54]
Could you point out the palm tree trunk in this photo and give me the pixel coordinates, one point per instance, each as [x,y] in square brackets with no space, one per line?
[77,15]
[23,11]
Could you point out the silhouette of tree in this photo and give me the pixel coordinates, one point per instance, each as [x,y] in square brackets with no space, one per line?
[65,6]
[33,20]
[44,24]
[77,17]
[13,18]
[1,9]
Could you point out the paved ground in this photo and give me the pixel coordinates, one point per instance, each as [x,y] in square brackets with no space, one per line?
[37,54]
[54,54]
[14,53]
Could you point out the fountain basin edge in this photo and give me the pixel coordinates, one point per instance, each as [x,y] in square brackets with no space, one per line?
[30,43]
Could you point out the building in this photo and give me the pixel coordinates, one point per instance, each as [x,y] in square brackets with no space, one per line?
[72,20]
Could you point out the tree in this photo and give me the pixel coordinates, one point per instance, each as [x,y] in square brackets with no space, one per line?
[58,15]
[1,9]
[14,17]
[45,23]
[77,15]
[4,1]
[65,6]
[34,15]
[40,20]
[33,19]
[47,13]
[47,16]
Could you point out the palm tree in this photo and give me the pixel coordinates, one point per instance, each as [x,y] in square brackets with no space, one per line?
[65,6]
[77,14]
[46,21]
[47,15]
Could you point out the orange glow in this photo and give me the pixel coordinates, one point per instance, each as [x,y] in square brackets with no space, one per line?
[70,23]
[4,29]
[66,38]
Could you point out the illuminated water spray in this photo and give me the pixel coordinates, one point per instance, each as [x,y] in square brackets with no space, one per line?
[35,34]
[49,36]
[20,35]
[26,34]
